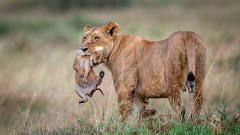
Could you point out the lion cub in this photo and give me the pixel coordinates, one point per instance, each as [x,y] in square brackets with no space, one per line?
[85,77]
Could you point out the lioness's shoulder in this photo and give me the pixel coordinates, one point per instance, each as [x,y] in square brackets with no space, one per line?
[131,38]
[184,34]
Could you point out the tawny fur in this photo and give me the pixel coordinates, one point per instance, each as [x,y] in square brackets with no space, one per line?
[143,69]
[85,77]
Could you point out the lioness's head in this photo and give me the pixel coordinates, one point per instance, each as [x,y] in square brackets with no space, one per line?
[100,38]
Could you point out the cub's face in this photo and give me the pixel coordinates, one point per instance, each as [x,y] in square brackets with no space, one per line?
[96,58]
[100,38]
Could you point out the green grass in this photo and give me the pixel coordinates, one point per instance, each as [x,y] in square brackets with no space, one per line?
[114,126]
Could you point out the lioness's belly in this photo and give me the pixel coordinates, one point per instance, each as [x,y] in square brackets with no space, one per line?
[151,70]
[152,82]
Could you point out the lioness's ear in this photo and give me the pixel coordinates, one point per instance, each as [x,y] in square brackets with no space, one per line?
[87,27]
[112,29]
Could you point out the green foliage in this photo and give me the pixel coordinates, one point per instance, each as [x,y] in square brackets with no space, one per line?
[78,22]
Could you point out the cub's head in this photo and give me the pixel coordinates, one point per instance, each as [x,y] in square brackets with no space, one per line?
[100,38]
[96,58]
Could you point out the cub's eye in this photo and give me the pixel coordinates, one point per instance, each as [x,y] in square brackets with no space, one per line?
[96,38]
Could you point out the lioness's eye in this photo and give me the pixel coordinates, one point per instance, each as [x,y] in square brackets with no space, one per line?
[96,38]
[84,37]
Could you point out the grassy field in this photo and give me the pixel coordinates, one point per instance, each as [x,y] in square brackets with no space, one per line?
[37,49]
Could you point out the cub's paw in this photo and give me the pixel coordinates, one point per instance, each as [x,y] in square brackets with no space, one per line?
[101,74]
[81,101]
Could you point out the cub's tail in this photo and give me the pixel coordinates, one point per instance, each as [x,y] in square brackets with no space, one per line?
[190,45]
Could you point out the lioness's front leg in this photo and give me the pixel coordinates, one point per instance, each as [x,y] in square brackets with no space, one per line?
[125,102]
[125,91]
[141,106]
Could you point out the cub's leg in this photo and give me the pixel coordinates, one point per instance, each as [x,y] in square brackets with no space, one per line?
[101,75]
[98,82]
[90,94]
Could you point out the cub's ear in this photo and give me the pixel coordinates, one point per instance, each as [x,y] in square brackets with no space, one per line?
[112,29]
[87,28]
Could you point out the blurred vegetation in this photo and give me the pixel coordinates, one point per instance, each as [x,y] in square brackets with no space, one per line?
[37,43]
[7,26]
[37,26]
[64,5]
[233,62]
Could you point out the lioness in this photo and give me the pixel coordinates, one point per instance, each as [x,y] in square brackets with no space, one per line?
[143,69]
[85,77]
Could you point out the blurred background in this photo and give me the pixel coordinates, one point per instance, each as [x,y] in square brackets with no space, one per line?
[38,39]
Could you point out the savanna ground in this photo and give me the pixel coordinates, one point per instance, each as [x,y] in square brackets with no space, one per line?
[37,49]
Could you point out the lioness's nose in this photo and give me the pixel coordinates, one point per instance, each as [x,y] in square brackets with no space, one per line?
[84,49]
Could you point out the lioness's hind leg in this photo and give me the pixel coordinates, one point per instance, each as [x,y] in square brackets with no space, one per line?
[176,103]
[197,96]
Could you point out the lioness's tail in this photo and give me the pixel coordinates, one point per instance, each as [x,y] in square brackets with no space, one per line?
[190,44]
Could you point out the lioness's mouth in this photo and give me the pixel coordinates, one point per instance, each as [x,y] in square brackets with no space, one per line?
[98,48]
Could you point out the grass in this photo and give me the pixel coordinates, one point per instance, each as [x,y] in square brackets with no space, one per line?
[113,125]
[37,79]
